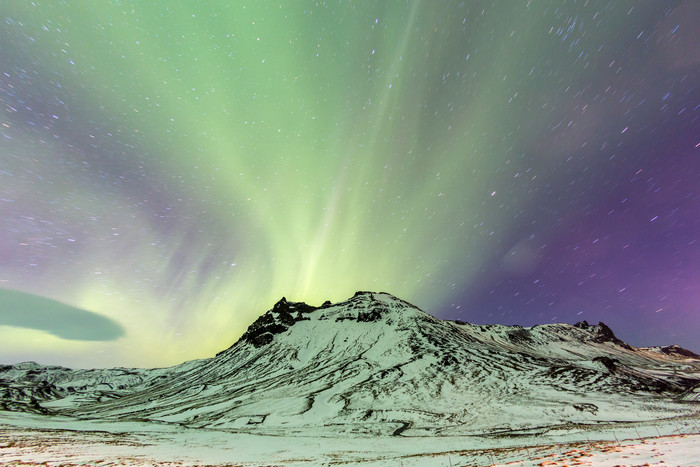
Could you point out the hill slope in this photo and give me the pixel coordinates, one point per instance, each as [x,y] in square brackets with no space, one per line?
[377,364]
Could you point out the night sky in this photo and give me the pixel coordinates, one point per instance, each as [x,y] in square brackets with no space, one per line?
[169,170]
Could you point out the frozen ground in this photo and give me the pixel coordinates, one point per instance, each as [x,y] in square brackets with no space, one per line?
[27,439]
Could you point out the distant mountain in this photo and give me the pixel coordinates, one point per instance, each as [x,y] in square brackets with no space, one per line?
[375,364]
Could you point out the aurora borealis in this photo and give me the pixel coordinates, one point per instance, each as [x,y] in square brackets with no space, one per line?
[177,167]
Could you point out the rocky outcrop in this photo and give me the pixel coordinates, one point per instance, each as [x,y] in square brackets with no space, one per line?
[602,333]
[278,320]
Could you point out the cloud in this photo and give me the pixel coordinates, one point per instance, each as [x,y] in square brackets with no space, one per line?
[26,310]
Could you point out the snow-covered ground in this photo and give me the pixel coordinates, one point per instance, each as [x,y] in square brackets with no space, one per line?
[31,440]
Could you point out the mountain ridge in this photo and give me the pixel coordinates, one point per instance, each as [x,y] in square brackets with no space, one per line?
[375,364]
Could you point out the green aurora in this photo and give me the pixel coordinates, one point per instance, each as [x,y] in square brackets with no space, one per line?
[183,165]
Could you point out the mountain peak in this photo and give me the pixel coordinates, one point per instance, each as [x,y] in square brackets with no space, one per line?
[281,317]
[602,332]
[363,306]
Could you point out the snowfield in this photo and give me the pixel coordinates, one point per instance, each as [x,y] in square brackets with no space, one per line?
[66,443]
[372,380]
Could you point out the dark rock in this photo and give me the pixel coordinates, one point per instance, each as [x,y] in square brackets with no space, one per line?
[602,333]
[448,360]
[261,339]
[585,407]
[260,332]
[276,321]
[609,363]
[302,307]
[281,306]
[519,336]
[679,351]
[369,316]
[605,334]
[286,318]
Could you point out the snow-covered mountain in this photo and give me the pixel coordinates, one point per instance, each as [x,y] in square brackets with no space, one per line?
[377,364]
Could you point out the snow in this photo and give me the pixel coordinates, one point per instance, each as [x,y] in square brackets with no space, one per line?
[681,450]
[374,381]
[26,439]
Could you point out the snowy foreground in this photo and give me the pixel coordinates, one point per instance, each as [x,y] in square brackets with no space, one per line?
[67,442]
[372,380]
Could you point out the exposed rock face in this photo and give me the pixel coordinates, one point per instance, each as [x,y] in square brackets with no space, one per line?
[276,321]
[367,317]
[679,351]
[607,362]
[602,333]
